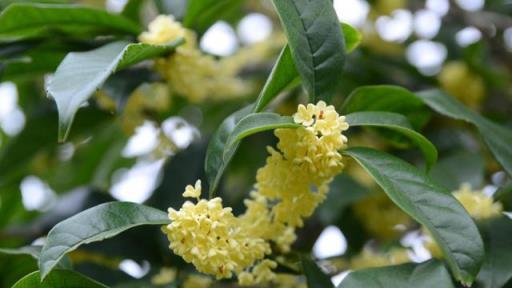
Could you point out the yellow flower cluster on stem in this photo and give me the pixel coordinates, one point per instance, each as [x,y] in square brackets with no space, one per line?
[189,72]
[294,181]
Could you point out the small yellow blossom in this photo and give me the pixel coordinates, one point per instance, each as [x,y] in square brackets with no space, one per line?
[162,30]
[458,80]
[209,236]
[478,205]
[197,281]
[261,273]
[294,181]
[189,72]
[369,258]
[193,191]
[165,276]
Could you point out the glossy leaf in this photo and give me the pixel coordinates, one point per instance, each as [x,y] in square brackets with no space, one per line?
[430,205]
[424,275]
[387,98]
[95,224]
[132,8]
[217,157]
[58,279]
[316,44]
[283,73]
[458,168]
[497,267]
[497,137]
[201,14]
[258,122]
[352,37]
[80,74]
[398,123]
[21,20]
[314,275]
[34,252]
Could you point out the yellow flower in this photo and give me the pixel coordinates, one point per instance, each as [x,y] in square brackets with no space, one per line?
[296,176]
[478,205]
[459,81]
[208,235]
[305,115]
[165,276]
[189,72]
[162,30]
[369,258]
[294,181]
[197,281]
[261,273]
[193,191]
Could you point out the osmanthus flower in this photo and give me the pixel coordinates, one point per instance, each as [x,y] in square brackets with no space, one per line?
[209,236]
[293,182]
[479,205]
[369,258]
[189,72]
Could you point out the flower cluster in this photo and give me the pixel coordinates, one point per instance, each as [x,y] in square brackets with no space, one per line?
[294,181]
[209,236]
[479,205]
[296,176]
[190,72]
[369,258]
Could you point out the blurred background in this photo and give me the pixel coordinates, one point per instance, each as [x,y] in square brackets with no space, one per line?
[139,141]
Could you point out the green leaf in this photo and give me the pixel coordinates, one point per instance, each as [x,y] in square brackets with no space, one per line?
[217,157]
[95,224]
[386,98]
[34,252]
[429,204]
[258,122]
[316,43]
[497,267]
[424,275]
[201,14]
[58,279]
[352,37]
[398,123]
[26,250]
[497,137]
[283,73]
[22,20]
[132,8]
[81,73]
[461,167]
[314,276]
